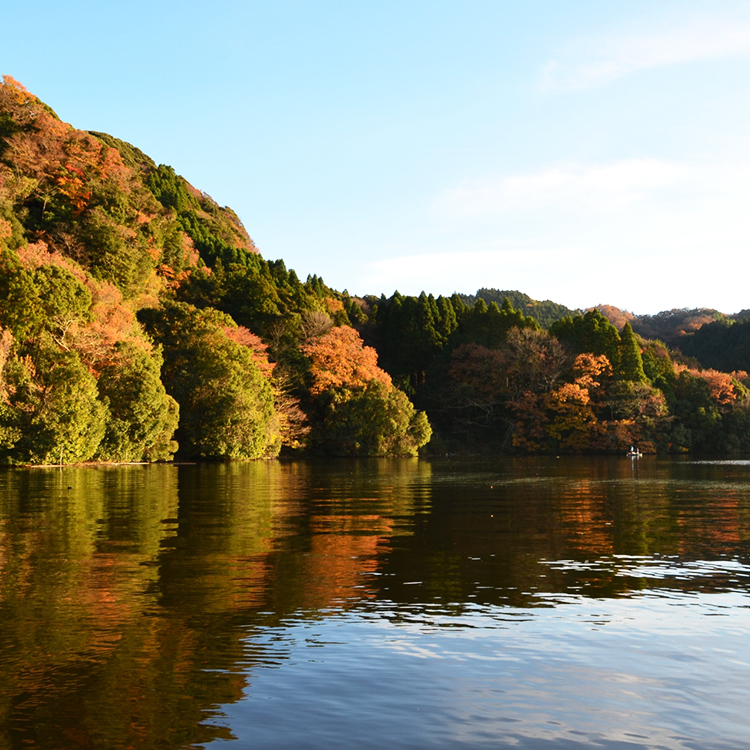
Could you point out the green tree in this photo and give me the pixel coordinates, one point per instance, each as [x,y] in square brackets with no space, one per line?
[53,410]
[371,420]
[170,189]
[589,333]
[142,418]
[698,416]
[722,344]
[226,404]
[356,409]
[448,319]
[630,362]
[489,325]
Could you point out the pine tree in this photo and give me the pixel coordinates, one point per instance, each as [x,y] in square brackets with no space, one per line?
[631,362]
[448,320]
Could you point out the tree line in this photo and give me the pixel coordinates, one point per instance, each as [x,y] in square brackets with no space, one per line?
[138,322]
[490,377]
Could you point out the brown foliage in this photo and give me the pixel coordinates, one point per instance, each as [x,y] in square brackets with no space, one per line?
[671,325]
[530,410]
[112,319]
[6,346]
[339,359]
[571,416]
[568,418]
[5,229]
[536,360]
[590,366]
[719,384]
[37,254]
[480,369]
[618,435]
[59,160]
[315,323]
[247,338]
[616,316]
[18,101]
[292,421]
[113,322]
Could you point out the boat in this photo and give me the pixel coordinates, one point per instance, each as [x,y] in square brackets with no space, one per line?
[634,452]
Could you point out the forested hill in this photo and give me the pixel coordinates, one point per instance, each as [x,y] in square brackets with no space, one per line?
[705,334]
[131,313]
[545,312]
[138,321]
[712,338]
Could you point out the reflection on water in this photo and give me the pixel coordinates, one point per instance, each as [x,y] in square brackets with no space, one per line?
[533,603]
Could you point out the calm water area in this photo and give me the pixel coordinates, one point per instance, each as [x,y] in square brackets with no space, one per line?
[538,603]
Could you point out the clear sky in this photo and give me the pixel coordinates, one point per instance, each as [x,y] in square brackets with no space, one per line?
[581,151]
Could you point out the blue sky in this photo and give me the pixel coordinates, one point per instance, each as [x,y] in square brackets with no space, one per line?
[584,152]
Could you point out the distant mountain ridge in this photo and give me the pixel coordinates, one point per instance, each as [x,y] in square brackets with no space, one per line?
[715,339]
[544,312]
[668,326]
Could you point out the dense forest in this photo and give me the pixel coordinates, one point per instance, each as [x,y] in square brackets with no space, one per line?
[138,321]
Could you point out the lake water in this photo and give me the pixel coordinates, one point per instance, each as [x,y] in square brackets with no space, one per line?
[528,603]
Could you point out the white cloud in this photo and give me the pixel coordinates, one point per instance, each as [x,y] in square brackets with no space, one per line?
[597,61]
[646,235]
[601,186]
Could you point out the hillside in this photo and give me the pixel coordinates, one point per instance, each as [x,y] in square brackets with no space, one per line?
[689,331]
[702,334]
[117,277]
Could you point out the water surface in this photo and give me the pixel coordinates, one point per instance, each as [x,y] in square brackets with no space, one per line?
[527,603]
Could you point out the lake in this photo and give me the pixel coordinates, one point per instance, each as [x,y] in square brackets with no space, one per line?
[546,603]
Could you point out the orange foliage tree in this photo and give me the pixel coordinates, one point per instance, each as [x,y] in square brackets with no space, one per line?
[292,421]
[572,417]
[721,385]
[358,410]
[339,359]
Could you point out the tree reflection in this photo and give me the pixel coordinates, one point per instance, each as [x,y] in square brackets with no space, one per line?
[136,601]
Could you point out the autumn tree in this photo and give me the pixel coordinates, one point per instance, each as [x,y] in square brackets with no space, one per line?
[571,406]
[356,409]
[486,388]
[536,360]
[80,381]
[475,394]
[339,359]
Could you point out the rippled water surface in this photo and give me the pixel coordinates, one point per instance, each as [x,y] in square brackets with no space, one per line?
[535,603]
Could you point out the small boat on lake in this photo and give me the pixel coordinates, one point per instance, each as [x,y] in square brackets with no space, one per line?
[634,452]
